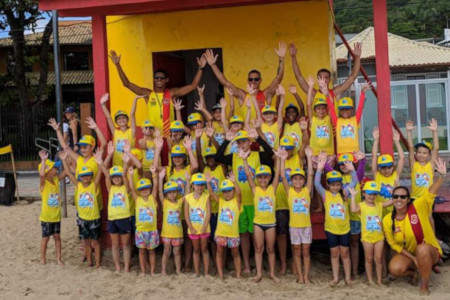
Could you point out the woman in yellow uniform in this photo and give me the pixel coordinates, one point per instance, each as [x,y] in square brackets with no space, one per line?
[409,232]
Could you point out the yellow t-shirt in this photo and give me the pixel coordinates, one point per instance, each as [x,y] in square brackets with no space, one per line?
[264,202]
[219,132]
[155,110]
[271,133]
[295,133]
[198,211]
[386,184]
[87,202]
[421,179]
[217,176]
[337,217]
[239,172]
[203,139]
[290,164]
[171,227]
[321,135]
[91,163]
[347,137]
[347,180]
[148,155]
[403,235]
[371,222]
[228,219]
[146,214]
[118,203]
[178,176]
[299,208]
[244,108]
[119,139]
[50,205]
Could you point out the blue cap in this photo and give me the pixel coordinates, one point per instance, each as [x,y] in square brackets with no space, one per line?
[70,109]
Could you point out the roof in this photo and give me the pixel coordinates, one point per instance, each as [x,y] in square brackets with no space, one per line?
[67,78]
[70,33]
[402,51]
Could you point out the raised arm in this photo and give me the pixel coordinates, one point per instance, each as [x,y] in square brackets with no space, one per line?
[237,189]
[434,130]
[330,104]
[126,83]
[133,115]
[98,157]
[362,99]
[409,126]
[282,154]
[63,157]
[155,182]
[305,138]
[43,155]
[250,180]
[276,178]
[297,72]
[182,91]
[209,131]
[248,113]
[210,190]
[200,104]
[293,90]
[223,118]
[441,167]
[401,153]
[310,179]
[231,97]
[109,154]
[361,157]
[73,124]
[102,166]
[280,91]
[92,125]
[322,159]
[109,120]
[133,192]
[340,89]
[354,206]
[198,148]
[162,175]
[53,124]
[376,140]
[187,143]
[310,99]
[281,53]
[178,107]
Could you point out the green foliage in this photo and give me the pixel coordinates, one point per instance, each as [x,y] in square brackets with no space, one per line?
[414,19]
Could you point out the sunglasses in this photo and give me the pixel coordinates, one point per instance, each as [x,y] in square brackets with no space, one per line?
[255,79]
[403,197]
[159,77]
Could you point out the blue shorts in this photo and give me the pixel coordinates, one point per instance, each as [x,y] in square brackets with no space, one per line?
[213,225]
[335,240]
[120,226]
[355,227]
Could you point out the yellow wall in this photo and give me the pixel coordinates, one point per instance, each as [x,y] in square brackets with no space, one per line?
[246,34]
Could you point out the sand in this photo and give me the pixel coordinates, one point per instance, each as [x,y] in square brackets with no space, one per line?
[22,276]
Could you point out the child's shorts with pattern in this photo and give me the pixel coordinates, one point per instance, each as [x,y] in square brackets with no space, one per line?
[147,239]
[227,241]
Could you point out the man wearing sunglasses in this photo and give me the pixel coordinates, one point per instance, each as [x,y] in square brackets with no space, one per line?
[338,90]
[254,80]
[159,103]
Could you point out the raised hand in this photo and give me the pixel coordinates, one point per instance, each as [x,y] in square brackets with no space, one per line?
[251,90]
[367,86]
[243,154]
[352,191]
[208,177]
[210,57]
[53,124]
[395,135]
[230,135]
[114,57]
[349,165]
[157,133]
[98,157]
[310,81]
[281,51]
[104,98]
[376,133]
[252,133]
[146,130]
[187,143]
[248,103]
[303,123]
[230,92]
[409,125]
[433,125]
[223,103]
[44,155]
[359,155]
[200,89]
[357,49]
[110,150]
[209,130]
[281,153]
[308,151]
[177,104]
[187,176]
[63,155]
[199,105]
[130,171]
[91,123]
[127,147]
[292,89]
[231,177]
[162,174]
[323,85]
[280,90]
[321,160]
[153,170]
[201,61]
[256,123]
[126,157]
[441,166]
[159,142]
[198,132]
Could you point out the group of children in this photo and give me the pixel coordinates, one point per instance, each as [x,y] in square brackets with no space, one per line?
[234,181]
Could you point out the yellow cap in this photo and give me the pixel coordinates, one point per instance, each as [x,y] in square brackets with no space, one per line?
[144,183]
[226,185]
[345,103]
[85,171]
[236,119]
[334,176]
[345,157]
[198,178]
[194,118]
[49,164]
[371,187]
[147,123]
[263,170]
[120,113]
[176,126]
[210,151]
[116,171]
[170,186]
[319,99]
[425,144]
[269,109]
[297,171]
[287,142]
[385,160]
[241,135]
[137,153]
[178,150]
[87,140]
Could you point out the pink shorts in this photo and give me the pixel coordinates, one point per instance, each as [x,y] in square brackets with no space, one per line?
[228,242]
[174,242]
[300,235]
[331,160]
[199,236]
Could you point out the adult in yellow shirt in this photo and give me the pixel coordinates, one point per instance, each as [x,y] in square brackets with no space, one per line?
[159,100]
[409,232]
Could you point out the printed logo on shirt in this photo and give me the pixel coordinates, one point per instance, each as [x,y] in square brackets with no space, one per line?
[119,145]
[146,215]
[270,137]
[347,131]
[234,147]
[241,173]
[193,144]
[215,184]
[118,200]
[422,180]
[197,215]
[220,137]
[226,216]
[296,138]
[386,190]
[322,132]
[265,204]
[173,217]
[373,223]
[181,185]
[337,211]
[53,200]
[85,200]
[150,154]
[300,206]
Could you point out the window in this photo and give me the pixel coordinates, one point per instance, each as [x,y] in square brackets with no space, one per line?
[75,61]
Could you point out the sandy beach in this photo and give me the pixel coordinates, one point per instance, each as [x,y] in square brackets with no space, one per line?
[22,276]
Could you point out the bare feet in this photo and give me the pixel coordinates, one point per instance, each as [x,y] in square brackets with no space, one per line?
[424,292]
[333,283]
[43,262]
[60,262]
[275,279]
[163,272]
[307,280]
[282,271]
[349,282]
[142,274]
[247,271]
[257,278]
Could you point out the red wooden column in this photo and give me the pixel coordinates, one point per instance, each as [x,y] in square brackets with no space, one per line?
[101,86]
[383,76]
